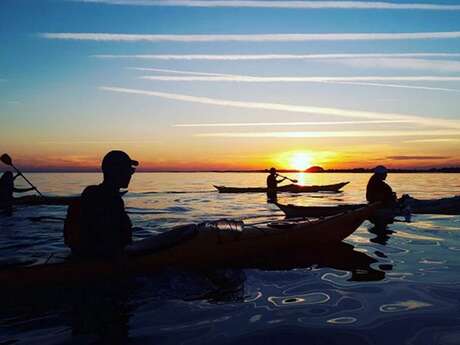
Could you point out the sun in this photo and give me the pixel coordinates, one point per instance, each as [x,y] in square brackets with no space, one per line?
[300,161]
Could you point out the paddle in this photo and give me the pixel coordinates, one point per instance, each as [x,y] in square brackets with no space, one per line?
[6,159]
[287,178]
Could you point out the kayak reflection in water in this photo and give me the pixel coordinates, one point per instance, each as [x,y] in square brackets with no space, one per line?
[378,190]
[272,184]
[99,225]
[6,191]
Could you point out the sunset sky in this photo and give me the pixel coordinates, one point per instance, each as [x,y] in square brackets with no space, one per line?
[198,85]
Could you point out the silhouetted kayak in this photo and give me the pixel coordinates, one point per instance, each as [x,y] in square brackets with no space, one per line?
[293,211]
[44,200]
[433,206]
[210,245]
[290,188]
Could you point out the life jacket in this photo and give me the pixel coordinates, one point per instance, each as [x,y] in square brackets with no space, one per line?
[72,236]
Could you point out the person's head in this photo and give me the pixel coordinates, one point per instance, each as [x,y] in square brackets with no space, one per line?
[272,171]
[381,172]
[117,167]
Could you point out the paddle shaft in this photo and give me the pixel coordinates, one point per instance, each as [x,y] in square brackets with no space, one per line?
[287,178]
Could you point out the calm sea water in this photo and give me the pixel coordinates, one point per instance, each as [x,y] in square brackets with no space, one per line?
[399,287]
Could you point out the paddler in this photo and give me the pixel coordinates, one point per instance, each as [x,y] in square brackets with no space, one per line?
[272,184]
[104,227]
[7,189]
[378,190]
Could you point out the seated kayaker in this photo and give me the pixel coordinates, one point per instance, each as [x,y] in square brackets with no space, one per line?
[378,190]
[104,227]
[7,189]
[272,184]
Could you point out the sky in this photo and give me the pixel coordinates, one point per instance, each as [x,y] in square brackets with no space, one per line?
[230,85]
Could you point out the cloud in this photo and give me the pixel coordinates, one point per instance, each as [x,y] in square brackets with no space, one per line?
[403,63]
[261,57]
[364,5]
[255,79]
[453,124]
[96,142]
[400,86]
[89,36]
[263,124]
[327,134]
[406,158]
[435,140]
[220,77]
[162,70]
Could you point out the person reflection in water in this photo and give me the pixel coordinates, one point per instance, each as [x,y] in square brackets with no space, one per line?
[6,191]
[272,184]
[104,228]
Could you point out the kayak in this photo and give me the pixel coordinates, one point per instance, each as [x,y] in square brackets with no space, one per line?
[290,188]
[449,205]
[416,206]
[294,211]
[221,244]
[44,200]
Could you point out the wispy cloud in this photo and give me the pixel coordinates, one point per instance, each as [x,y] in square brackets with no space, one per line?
[296,37]
[300,123]
[453,124]
[434,140]
[243,57]
[406,158]
[285,4]
[403,63]
[96,142]
[365,81]
[256,79]
[174,71]
[400,86]
[327,134]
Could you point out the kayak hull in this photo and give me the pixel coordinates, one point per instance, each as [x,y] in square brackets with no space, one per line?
[449,206]
[291,188]
[293,211]
[34,200]
[198,248]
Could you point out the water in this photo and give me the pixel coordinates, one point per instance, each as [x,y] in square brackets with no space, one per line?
[399,287]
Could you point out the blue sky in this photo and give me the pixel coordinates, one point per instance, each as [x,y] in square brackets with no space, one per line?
[78,78]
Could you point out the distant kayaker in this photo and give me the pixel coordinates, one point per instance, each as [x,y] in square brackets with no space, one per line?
[378,190]
[272,184]
[7,189]
[104,227]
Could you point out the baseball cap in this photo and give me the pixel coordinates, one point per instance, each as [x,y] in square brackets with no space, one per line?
[380,169]
[117,158]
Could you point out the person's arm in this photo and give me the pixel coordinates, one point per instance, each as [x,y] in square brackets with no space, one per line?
[22,190]
[282,179]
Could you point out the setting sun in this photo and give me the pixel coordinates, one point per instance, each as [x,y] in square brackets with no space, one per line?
[300,161]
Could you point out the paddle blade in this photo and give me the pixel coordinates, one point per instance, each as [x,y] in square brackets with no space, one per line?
[6,159]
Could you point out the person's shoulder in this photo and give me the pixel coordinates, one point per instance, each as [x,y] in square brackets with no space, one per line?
[90,192]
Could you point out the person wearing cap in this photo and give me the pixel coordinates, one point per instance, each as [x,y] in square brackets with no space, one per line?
[272,184]
[104,227]
[378,190]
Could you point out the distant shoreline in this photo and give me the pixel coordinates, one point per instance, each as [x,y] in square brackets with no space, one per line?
[351,171]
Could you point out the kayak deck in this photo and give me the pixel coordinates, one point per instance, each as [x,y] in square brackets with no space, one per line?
[291,188]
